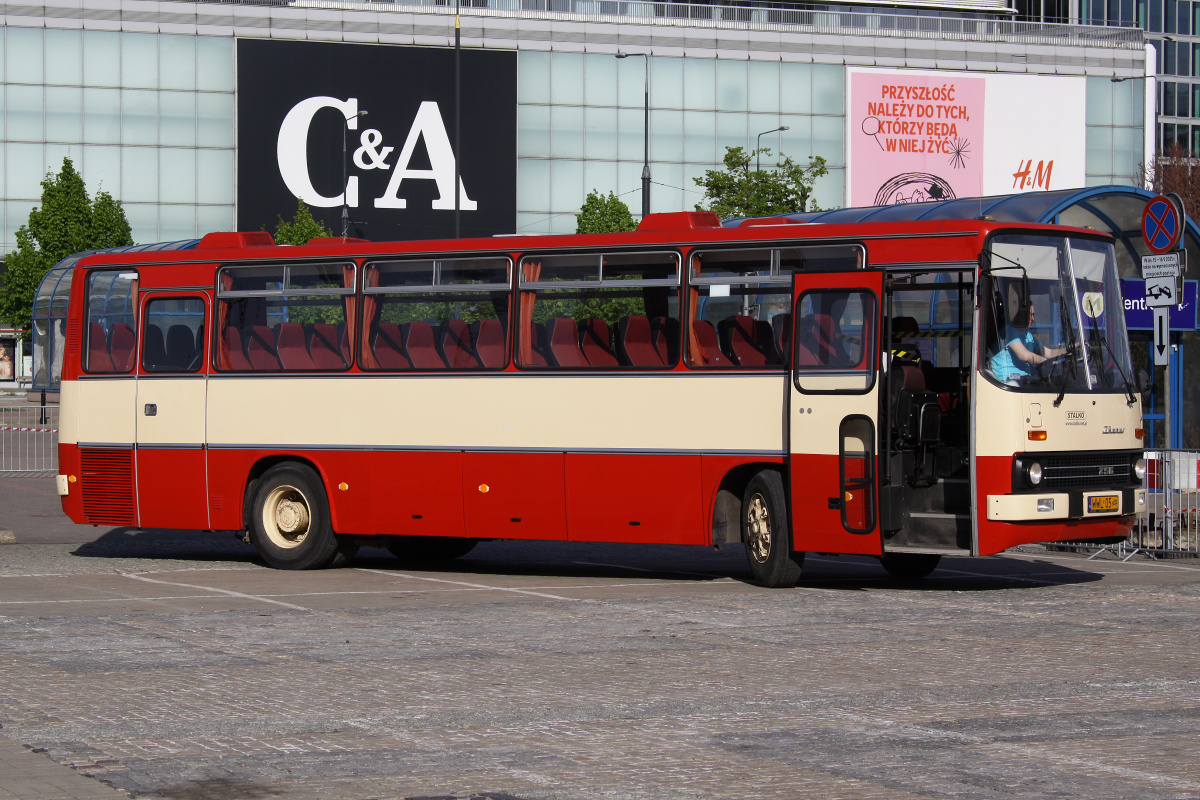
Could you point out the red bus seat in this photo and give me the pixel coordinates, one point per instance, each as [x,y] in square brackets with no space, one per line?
[487,337]
[664,335]
[417,338]
[633,342]
[181,347]
[98,358]
[234,353]
[290,346]
[738,338]
[387,347]
[709,348]
[122,345]
[781,336]
[454,343]
[260,347]
[564,343]
[595,342]
[323,348]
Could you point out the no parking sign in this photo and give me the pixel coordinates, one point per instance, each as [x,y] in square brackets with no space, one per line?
[1162,224]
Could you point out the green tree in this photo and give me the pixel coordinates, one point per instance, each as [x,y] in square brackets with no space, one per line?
[600,214]
[302,229]
[743,190]
[67,222]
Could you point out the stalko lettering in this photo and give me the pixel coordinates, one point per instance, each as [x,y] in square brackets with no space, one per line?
[291,152]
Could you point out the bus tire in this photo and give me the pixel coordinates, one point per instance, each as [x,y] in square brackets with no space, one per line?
[430,549]
[909,566]
[290,524]
[766,533]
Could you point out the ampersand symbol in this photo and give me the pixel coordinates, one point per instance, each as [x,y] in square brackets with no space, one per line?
[370,140]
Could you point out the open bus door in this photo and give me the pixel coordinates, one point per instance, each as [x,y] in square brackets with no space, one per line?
[833,412]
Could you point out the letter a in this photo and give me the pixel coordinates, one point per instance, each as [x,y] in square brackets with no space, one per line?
[428,124]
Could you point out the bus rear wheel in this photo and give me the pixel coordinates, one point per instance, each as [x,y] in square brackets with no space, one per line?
[290,524]
[766,533]
[909,566]
[430,549]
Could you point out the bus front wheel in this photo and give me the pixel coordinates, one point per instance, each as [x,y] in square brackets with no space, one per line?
[766,533]
[291,528]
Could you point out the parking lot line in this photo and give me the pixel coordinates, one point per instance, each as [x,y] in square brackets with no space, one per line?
[228,592]
[464,583]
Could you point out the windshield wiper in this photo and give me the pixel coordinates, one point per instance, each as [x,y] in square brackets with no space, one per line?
[1098,335]
[1072,349]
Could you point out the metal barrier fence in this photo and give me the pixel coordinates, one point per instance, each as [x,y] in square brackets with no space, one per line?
[1170,525]
[29,439]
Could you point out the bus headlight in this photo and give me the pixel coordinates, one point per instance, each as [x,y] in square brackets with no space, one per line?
[1033,473]
[1139,469]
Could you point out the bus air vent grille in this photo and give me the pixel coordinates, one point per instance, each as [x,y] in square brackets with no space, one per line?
[73,328]
[1087,471]
[107,485]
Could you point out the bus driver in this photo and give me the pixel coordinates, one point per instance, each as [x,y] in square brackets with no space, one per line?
[1022,353]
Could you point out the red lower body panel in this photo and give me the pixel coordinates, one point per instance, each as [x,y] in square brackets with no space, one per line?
[994,476]
[515,495]
[816,527]
[418,494]
[635,498]
[172,489]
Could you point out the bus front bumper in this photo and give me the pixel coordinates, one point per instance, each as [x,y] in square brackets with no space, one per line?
[1032,507]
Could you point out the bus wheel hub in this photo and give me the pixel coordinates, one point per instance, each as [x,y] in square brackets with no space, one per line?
[291,517]
[758,526]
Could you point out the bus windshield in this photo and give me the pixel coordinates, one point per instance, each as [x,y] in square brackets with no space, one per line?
[1053,316]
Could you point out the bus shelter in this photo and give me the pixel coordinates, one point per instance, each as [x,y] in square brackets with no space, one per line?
[1116,210]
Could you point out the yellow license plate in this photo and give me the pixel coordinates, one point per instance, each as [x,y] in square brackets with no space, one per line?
[1100,503]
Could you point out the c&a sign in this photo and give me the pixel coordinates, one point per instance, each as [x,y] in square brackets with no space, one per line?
[372,126]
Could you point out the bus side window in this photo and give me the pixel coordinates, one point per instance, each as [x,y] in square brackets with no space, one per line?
[111,325]
[171,337]
[285,317]
[736,297]
[614,311]
[436,314]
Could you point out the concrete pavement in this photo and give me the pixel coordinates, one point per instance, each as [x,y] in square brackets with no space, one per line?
[173,665]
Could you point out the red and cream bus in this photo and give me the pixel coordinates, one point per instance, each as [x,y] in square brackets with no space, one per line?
[850,388]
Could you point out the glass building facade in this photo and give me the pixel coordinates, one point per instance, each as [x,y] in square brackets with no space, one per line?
[147,117]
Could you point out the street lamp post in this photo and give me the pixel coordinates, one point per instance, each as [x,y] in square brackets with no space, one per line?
[758,144]
[346,173]
[646,136]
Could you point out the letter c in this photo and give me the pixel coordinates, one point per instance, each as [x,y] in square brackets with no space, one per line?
[291,151]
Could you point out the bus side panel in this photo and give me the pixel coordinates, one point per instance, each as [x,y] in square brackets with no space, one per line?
[347,477]
[814,499]
[172,489]
[418,493]
[994,476]
[69,465]
[634,498]
[515,495]
[227,473]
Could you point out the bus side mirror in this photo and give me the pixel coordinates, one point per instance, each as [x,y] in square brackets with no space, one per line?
[1143,381]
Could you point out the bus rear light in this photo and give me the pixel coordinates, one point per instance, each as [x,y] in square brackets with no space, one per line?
[1037,436]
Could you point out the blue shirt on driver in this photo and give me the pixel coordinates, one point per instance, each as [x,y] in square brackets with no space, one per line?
[1007,368]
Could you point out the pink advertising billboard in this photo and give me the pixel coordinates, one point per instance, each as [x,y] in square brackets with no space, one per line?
[915,137]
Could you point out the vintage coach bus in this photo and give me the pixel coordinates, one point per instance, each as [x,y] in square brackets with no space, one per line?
[850,388]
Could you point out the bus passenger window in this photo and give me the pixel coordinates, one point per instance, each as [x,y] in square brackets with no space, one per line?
[111,326]
[612,311]
[285,317]
[436,314]
[741,301]
[173,336]
[833,340]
